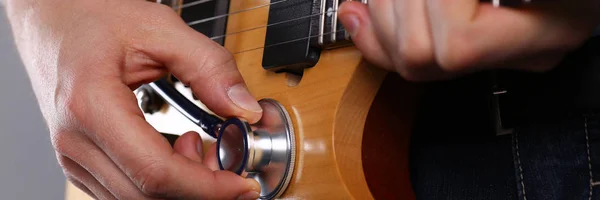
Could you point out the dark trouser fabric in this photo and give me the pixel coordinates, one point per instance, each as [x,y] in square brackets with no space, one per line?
[554,160]
[454,154]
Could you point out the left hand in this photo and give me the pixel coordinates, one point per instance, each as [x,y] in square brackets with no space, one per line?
[440,39]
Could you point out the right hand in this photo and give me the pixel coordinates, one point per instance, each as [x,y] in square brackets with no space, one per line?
[84,59]
[430,40]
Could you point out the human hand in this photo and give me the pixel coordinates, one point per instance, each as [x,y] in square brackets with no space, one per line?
[84,59]
[440,39]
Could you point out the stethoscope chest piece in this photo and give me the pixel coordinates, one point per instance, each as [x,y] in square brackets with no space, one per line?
[264,151]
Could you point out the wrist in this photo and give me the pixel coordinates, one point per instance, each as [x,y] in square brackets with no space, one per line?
[12,7]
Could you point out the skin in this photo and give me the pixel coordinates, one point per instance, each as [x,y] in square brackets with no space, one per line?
[85,57]
[426,40]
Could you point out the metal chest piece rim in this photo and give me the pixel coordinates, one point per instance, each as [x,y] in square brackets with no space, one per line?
[264,151]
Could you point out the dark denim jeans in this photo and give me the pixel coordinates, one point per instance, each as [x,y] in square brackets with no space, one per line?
[547,160]
[555,155]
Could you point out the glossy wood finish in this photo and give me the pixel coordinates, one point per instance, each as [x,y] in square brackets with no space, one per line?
[385,144]
[328,107]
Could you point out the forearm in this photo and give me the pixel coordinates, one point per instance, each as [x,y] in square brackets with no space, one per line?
[34,16]
[37,31]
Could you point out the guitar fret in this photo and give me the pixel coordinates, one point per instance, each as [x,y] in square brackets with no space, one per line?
[322,22]
[328,21]
[340,31]
[334,25]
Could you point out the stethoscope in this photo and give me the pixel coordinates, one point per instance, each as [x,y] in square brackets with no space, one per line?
[264,151]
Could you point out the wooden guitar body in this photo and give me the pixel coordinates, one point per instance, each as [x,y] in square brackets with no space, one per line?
[351,120]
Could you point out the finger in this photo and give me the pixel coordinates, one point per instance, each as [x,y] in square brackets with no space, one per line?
[385,24]
[207,67]
[472,34]
[356,20]
[403,29]
[210,158]
[145,156]
[413,51]
[71,176]
[189,145]
[96,165]
[82,179]
[409,48]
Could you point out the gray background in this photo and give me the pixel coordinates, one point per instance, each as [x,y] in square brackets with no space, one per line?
[28,167]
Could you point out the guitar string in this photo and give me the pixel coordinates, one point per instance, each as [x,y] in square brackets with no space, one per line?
[258,27]
[272,24]
[231,13]
[190,4]
[288,41]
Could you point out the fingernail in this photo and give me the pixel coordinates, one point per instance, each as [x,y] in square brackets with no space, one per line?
[252,184]
[249,195]
[351,24]
[254,192]
[240,95]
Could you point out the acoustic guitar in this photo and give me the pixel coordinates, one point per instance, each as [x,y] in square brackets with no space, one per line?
[349,120]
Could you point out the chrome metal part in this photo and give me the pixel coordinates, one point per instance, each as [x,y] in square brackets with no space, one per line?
[265,151]
[148,101]
[170,3]
[334,20]
[322,22]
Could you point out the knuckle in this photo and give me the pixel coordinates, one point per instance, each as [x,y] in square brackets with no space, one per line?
[214,58]
[73,105]
[210,65]
[456,53]
[169,19]
[61,144]
[162,9]
[70,107]
[409,75]
[415,51]
[153,179]
[154,27]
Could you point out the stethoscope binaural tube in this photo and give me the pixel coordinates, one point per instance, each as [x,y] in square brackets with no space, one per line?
[232,135]
[209,123]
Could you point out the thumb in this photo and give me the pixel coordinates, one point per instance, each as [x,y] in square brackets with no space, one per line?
[204,65]
[356,20]
[190,145]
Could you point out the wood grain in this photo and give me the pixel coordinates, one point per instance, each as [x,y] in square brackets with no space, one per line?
[385,145]
[328,107]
